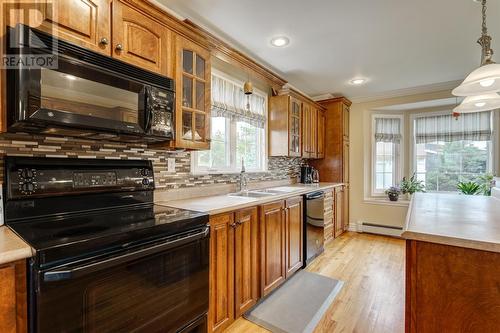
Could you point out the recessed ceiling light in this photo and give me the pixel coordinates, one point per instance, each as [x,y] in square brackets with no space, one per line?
[480,104]
[357,82]
[280,41]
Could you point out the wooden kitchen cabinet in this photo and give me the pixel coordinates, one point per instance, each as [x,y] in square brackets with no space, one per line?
[246,263]
[13,298]
[234,266]
[339,211]
[141,41]
[221,293]
[272,246]
[83,22]
[296,126]
[192,76]
[451,288]
[329,209]
[294,229]
[285,125]
[334,166]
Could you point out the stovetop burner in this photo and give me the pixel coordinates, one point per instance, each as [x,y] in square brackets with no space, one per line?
[69,236]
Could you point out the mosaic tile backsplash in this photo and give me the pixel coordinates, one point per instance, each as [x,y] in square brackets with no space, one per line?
[279,168]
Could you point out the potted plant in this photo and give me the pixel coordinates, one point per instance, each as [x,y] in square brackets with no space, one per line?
[469,188]
[393,193]
[412,185]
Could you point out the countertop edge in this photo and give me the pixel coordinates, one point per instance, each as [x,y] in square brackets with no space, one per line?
[20,249]
[256,202]
[452,241]
[443,239]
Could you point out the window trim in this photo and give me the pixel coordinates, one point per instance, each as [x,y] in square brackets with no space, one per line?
[399,160]
[197,171]
[494,147]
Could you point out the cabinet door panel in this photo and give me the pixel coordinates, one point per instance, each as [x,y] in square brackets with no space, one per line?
[192,73]
[246,257]
[221,308]
[272,246]
[82,22]
[339,211]
[321,135]
[306,130]
[139,40]
[294,235]
[13,313]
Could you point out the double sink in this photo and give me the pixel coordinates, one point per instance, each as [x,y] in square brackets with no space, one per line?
[264,192]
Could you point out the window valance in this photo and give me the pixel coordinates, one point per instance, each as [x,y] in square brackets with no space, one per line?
[229,100]
[388,129]
[469,126]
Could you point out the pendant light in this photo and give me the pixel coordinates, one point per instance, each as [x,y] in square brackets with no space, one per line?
[479,103]
[485,79]
[248,90]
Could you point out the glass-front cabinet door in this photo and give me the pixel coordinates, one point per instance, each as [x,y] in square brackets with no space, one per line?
[193,96]
[295,128]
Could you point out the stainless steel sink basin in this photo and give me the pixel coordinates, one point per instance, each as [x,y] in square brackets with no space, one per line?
[251,194]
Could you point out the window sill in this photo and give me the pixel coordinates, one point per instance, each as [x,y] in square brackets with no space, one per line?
[386,202]
[222,172]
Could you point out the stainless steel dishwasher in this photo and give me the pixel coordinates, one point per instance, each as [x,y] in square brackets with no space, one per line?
[314,225]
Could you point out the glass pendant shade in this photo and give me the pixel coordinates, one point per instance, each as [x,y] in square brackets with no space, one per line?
[484,80]
[479,103]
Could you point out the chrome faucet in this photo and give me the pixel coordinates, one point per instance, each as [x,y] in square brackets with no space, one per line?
[243,177]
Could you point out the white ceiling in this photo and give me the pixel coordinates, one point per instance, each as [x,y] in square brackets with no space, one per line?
[395,44]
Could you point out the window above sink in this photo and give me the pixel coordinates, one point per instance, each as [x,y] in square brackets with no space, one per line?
[236,132]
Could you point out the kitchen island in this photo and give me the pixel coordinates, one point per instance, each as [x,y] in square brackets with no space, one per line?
[452,263]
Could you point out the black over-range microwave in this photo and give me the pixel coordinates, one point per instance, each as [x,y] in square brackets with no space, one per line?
[83,93]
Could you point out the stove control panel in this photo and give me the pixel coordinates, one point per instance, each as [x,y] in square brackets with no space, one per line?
[40,179]
[94,179]
[27,183]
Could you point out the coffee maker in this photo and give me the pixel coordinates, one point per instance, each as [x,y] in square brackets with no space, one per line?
[308,174]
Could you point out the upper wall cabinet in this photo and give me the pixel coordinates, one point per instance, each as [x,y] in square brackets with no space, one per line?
[82,22]
[285,126]
[192,76]
[141,41]
[296,126]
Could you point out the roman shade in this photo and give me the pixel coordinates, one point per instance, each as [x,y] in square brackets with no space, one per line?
[468,126]
[229,100]
[388,129]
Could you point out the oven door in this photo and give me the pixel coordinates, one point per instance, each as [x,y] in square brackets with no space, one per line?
[78,95]
[162,287]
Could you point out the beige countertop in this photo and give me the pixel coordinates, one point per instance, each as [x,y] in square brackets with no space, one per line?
[223,203]
[453,219]
[12,247]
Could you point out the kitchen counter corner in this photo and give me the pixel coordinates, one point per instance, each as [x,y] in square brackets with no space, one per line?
[456,220]
[12,247]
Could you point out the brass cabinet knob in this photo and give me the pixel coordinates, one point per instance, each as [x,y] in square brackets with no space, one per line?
[233,225]
[104,41]
[119,47]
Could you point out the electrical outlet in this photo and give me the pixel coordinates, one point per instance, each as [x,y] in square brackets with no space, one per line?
[171,164]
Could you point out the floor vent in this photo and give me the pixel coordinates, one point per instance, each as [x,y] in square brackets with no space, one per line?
[381,229]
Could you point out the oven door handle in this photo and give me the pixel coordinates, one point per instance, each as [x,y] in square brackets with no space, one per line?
[67,273]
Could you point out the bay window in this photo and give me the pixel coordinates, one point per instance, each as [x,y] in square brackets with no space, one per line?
[238,130]
[448,150]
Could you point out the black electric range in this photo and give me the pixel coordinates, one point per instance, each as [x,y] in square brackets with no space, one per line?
[97,236]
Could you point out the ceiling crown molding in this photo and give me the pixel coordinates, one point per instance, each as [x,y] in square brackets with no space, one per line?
[430,88]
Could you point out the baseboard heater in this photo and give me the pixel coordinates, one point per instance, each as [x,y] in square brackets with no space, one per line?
[381,229]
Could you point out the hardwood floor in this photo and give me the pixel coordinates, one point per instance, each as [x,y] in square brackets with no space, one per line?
[372,299]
